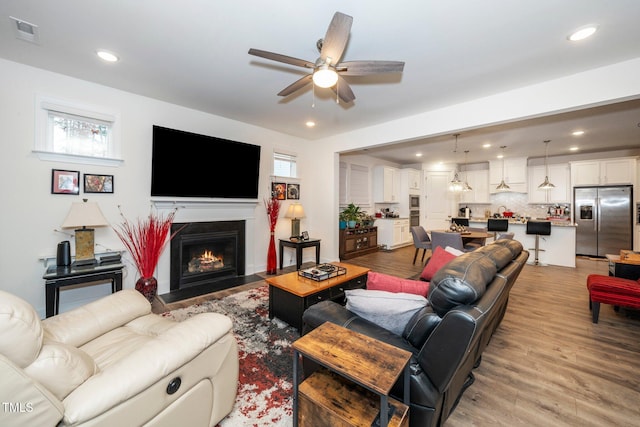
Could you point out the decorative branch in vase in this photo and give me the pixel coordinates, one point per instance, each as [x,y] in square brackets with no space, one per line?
[273,210]
[145,239]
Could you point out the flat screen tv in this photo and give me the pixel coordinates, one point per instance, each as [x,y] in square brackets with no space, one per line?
[185,164]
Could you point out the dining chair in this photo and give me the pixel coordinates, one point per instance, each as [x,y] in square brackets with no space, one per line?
[505,236]
[444,239]
[421,240]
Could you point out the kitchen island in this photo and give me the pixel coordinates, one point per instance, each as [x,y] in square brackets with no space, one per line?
[559,247]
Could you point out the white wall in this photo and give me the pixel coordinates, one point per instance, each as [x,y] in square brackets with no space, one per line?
[29,213]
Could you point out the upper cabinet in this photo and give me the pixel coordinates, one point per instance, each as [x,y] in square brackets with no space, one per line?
[558,175]
[386,184]
[604,172]
[354,184]
[515,174]
[479,182]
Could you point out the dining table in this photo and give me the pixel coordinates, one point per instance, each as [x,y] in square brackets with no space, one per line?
[468,236]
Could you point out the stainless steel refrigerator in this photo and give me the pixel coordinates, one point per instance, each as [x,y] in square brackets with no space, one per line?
[604,219]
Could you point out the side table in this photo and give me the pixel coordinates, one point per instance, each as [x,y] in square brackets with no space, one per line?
[329,396]
[60,277]
[299,245]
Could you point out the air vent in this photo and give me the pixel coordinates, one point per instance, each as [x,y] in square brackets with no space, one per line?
[24,30]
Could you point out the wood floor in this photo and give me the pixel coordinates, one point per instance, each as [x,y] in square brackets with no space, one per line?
[547,364]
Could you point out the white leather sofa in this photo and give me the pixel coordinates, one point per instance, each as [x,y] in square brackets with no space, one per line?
[114,363]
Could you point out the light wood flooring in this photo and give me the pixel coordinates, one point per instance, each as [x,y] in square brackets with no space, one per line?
[547,364]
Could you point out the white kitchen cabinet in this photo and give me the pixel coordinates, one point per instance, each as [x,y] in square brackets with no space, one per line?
[393,233]
[414,177]
[515,174]
[604,172]
[479,182]
[559,175]
[386,184]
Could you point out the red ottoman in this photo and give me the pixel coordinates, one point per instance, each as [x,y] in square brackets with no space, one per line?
[611,290]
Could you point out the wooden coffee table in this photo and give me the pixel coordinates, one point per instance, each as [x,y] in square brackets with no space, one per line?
[290,295]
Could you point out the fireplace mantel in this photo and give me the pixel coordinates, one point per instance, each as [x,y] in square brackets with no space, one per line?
[189,203]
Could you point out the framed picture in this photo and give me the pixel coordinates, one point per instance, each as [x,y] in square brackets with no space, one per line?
[65,182]
[293,191]
[305,235]
[98,183]
[279,190]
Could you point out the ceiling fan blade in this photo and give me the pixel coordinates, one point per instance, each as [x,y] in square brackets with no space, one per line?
[336,37]
[281,58]
[361,68]
[343,90]
[298,84]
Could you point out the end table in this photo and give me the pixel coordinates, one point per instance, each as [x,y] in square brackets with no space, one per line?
[299,245]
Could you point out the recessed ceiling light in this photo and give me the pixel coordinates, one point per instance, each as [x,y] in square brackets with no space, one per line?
[500,156]
[577,133]
[418,154]
[107,56]
[310,123]
[574,148]
[487,145]
[582,33]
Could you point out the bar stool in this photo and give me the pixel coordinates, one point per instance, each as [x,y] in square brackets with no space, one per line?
[497,224]
[539,228]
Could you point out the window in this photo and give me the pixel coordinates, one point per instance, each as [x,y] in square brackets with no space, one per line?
[284,165]
[77,134]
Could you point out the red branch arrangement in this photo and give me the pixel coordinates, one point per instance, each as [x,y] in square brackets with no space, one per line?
[273,209]
[146,239]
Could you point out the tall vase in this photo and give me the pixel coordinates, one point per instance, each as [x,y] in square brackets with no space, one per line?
[148,287]
[271,256]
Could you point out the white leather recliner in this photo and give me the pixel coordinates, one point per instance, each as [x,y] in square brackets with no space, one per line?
[114,363]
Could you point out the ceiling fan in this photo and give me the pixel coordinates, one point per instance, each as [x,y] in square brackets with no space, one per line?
[327,70]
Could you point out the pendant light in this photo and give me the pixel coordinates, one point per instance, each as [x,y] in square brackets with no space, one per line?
[503,185]
[456,185]
[546,185]
[466,187]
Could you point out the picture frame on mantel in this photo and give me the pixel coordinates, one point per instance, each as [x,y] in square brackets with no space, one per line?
[98,183]
[65,182]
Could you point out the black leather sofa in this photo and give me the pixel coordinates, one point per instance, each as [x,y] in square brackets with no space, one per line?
[467,301]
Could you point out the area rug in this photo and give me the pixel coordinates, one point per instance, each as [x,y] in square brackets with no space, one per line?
[266,358]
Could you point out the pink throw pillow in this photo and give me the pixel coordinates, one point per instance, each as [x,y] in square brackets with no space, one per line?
[438,259]
[385,282]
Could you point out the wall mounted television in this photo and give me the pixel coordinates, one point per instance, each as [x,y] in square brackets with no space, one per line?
[185,164]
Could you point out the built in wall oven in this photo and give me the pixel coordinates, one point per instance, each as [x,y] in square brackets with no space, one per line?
[414,218]
[414,202]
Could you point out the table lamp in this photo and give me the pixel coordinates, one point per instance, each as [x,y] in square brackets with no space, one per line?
[82,215]
[295,212]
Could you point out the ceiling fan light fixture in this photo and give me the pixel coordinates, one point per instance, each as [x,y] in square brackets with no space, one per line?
[324,76]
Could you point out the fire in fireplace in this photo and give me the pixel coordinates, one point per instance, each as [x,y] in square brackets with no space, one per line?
[205,253]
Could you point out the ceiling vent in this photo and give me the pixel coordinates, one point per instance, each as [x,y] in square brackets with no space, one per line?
[23,30]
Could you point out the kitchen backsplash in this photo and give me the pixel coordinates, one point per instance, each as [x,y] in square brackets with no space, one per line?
[514,202]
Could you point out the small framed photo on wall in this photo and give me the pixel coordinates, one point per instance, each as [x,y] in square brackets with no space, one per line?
[65,182]
[293,191]
[279,190]
[98,183]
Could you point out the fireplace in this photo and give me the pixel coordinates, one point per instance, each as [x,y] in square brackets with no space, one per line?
[207,254]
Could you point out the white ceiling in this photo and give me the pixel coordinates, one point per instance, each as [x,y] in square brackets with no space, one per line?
[194,53]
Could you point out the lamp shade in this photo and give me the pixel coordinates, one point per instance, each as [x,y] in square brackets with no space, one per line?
[84,214]
[295,211]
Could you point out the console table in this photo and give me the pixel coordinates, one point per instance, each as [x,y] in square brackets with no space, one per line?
[353,387]
[299,245]
[60,277]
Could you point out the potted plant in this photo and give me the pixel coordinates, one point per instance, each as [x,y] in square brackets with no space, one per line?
[351,215]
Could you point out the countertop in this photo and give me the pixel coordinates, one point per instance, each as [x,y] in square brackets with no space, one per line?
[557,222]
